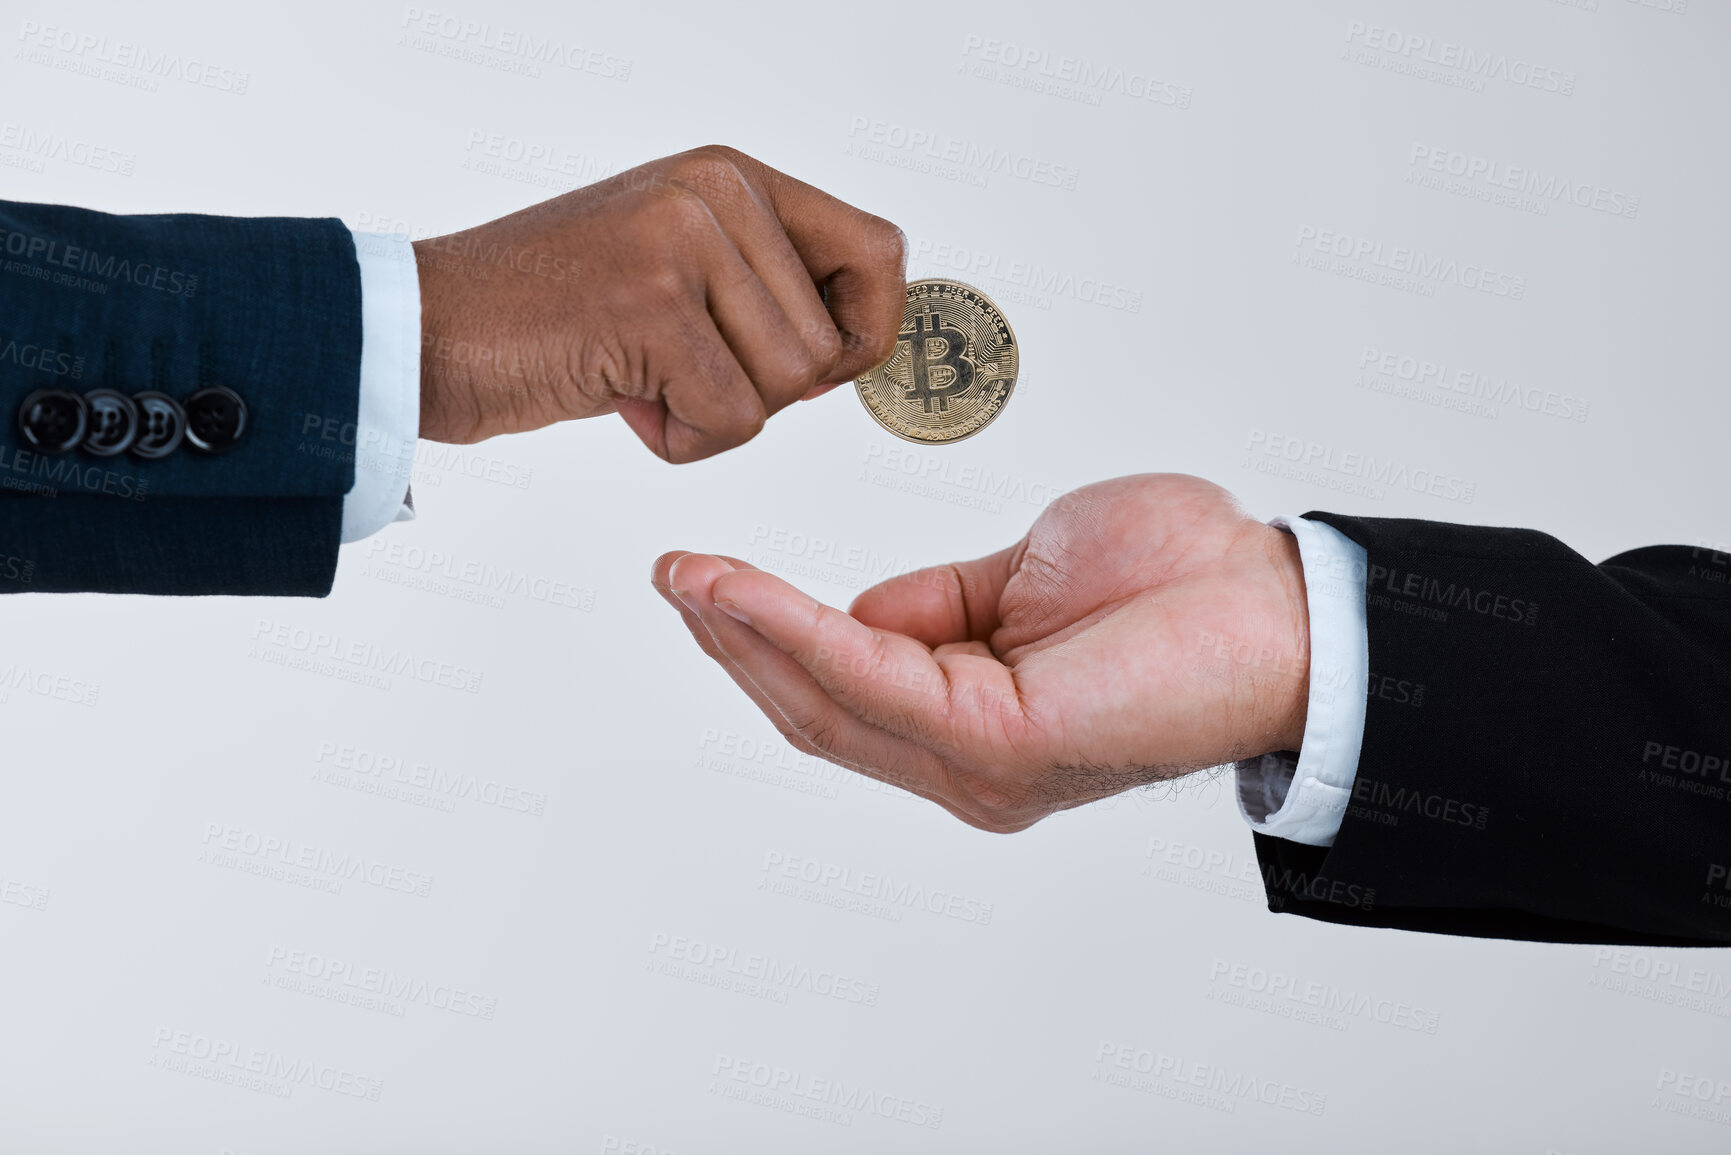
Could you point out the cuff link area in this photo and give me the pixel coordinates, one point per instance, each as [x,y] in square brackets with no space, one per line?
[113,423]
[149,425]
[162,425]
[53,420]
[215,419]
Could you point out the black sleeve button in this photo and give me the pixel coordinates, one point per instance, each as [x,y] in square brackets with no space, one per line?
[53,420]
[161,425]
[215,419]
[113,423]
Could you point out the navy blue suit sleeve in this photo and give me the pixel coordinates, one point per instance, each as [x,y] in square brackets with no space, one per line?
[267,307]
[1547,744]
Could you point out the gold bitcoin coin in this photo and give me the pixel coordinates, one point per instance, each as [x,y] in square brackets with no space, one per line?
[953,368]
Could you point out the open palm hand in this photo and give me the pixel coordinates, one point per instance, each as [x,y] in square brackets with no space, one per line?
[1145,627]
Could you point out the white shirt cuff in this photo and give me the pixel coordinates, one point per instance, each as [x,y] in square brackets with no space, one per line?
[1305,799]
[389,420]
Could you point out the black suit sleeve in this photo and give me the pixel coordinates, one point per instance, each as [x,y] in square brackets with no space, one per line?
[1547,744]
[268,308]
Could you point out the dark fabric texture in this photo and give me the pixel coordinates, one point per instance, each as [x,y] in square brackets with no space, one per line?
[268,307]
[1547,744]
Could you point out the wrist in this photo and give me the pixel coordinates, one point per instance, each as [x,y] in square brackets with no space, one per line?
[435,345]
[471,377]
[1293,706]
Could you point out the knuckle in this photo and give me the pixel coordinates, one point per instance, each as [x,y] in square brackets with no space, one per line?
[783,387]
[724,153]
[685,446]
[798,371]
[876,663]
[710,173]
[886,242]
[714,168]
[682,212]
[824,344]
[749,427]
[729,433]
[742,411]
[668,284]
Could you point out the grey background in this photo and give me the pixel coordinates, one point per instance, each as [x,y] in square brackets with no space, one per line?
[665,794]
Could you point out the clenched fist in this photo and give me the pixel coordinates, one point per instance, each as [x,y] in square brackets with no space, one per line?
[1145,627]
[695,295]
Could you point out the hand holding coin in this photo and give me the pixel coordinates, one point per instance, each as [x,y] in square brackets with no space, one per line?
[696,296]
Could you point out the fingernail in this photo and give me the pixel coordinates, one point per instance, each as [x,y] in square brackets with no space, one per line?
[684,597]
[732,610]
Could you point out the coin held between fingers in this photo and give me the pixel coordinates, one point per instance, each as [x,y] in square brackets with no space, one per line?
[953,368]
